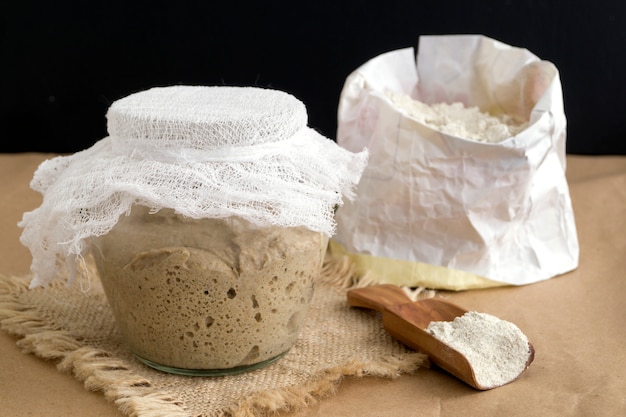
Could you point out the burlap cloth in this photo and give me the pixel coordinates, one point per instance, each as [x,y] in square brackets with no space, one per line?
[75,328]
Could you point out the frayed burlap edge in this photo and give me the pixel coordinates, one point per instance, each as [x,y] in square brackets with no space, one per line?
[296,398]
[134,395]
[97,369]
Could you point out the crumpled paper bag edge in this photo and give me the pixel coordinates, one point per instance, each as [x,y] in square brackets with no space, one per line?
[411,273]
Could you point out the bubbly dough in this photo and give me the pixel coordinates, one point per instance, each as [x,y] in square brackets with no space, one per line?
[209,293]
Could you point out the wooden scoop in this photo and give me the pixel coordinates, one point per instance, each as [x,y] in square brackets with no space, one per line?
[406,321]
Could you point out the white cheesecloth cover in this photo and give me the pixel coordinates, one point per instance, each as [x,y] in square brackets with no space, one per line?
[206,152]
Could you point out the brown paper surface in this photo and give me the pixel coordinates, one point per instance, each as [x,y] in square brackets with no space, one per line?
[575,321]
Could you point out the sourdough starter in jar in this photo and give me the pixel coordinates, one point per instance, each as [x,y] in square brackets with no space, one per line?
[207,296]
[207,210]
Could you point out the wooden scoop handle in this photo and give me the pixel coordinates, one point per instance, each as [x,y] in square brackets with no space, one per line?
[378,297]
[388,296]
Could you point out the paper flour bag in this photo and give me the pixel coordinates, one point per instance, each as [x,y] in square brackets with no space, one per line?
[470,196]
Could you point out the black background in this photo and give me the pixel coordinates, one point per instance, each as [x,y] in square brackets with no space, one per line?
[63,63]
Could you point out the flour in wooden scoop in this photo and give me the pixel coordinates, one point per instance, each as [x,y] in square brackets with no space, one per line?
[496,349]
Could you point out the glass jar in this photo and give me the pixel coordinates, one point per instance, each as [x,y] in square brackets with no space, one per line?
[207,296]
[207,211]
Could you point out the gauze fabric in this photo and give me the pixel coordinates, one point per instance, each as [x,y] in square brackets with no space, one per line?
[206,152]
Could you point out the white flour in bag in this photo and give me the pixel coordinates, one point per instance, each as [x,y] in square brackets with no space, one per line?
[496,349]
[457,120]
[436,199]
